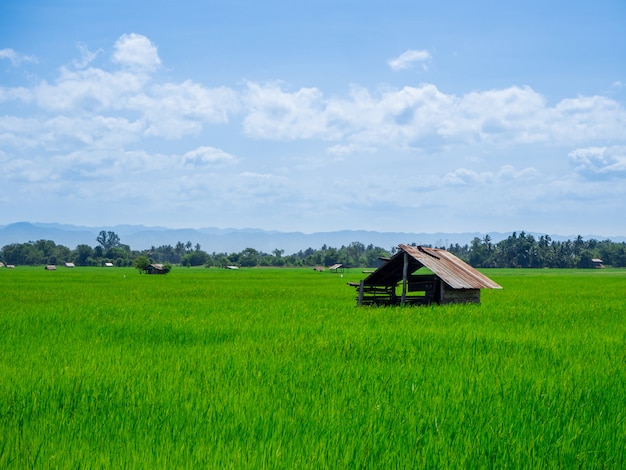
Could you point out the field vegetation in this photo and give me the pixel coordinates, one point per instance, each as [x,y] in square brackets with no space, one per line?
[277,368]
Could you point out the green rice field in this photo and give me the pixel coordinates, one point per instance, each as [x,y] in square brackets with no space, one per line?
[277,368]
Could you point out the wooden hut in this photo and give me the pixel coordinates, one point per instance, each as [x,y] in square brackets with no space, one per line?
[336,268]
[156,268]
[450,280]
[50,267]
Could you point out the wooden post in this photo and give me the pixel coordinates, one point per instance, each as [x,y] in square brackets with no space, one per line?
[360,300]
[405,275]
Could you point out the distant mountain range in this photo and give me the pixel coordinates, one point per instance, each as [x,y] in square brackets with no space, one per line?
[140,237]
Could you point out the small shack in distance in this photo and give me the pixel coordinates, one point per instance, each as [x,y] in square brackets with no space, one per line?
[451,281]
[336,268]
[157,268]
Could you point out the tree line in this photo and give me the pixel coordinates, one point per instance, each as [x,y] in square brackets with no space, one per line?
[525,251]
[517,251]
[111,250]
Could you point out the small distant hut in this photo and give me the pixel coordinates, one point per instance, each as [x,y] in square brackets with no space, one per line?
[336,268]
[394,283]
[108,265]
[156,268]
[69,265]
[50,267]
[597,263]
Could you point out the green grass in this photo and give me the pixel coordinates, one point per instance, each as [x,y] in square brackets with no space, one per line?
[271,368]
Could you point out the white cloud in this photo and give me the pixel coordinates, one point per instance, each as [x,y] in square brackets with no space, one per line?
[507,174]
[19,133]
[409,116]
[587,118]
[408,59]
[393,119]
[272,113]
[168,110]
[136,52]
[617,84]
[22,94]
[595,162]
[347,149]
[191,99]
[15,57]
[87,56]
[514,115]
[207,155]
[174,110]
[108,165]
[257,176]
[89,132]
[90,90]
[22,170]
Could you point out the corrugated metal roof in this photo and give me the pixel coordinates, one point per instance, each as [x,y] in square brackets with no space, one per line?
[454,272]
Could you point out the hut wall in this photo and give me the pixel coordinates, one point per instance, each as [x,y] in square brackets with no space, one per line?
[460,296]
[152,270]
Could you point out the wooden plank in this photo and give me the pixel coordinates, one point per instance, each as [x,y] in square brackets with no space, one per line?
[405,273]
[461,296]
[360,301]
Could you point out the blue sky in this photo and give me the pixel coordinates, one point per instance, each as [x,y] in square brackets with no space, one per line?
[311,116]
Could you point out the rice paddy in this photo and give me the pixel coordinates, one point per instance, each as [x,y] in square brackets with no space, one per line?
[277,368]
